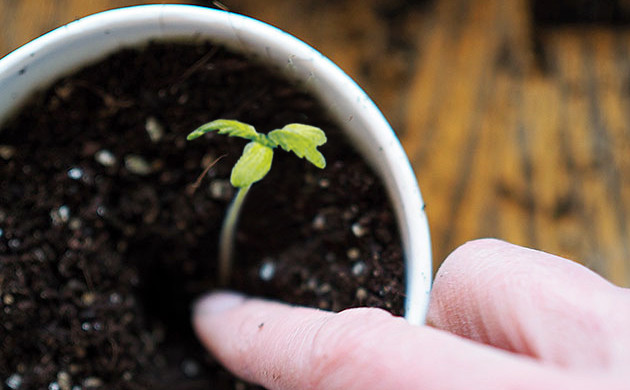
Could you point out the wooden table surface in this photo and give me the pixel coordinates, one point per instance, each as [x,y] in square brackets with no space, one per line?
[514,131]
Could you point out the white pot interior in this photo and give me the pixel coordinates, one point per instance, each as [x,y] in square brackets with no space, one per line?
[36,65]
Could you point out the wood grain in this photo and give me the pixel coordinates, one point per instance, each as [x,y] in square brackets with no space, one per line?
[514,131]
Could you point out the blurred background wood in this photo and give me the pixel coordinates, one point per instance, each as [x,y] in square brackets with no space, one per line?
[517,124]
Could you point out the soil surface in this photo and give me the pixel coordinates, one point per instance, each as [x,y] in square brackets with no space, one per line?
[104,243]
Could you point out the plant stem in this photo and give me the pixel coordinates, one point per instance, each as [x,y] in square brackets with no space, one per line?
[228,231]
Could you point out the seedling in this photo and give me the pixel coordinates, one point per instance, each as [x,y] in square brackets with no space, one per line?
[253,165]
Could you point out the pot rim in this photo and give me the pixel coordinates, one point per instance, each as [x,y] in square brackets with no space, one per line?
[38,63]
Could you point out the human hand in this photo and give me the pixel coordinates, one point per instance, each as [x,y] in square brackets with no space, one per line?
[501,317]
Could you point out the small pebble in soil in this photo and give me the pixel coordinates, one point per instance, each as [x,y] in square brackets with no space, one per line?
[60,216]
[88,298]
[15,243]
[361,294]
[54,386]
[190,368]
[154,128]
[221,189]
[319,222]
[358,230]
[63,379]
[353,253]
[1,232]
[267,270]
[358,268]
[101,211]
[75,224]
[137,165]
[324,183]
[39,254]
[14,381]
[75,173]
[105,158]
[115,298]
[92,382]
[324,288]
[7,152]
[8,299]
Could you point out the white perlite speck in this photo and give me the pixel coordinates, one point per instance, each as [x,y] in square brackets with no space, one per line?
[7,152]
[105,158]
[75,173]
[154,129]
[361,294]
[137,165]
[221,189]
[60,216]
[64,381]
[92,382]
[14,381]
[267,270]
[358,268]
[358,230]
[319,222]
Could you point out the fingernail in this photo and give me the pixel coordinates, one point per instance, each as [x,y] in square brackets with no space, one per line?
[217,302]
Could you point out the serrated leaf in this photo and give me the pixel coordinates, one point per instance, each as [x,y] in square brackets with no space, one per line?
[230,127]
[252,166]
[302,140]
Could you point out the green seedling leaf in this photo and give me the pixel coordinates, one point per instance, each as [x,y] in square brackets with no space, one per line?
[226,126]
[252,166]
[302,140]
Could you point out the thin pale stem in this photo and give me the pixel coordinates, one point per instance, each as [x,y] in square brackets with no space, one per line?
[228,232]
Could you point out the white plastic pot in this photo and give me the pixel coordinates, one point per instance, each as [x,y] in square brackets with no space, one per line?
[37,64]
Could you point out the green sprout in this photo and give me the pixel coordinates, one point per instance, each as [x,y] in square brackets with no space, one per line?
[254,164]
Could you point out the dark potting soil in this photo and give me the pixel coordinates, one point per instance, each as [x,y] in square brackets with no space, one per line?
[104,244]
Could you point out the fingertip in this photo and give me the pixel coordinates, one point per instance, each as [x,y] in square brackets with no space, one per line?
[217,302]
[281,346]
[208,313]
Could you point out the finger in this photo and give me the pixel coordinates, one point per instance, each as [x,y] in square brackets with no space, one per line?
[533,303]
[282,347]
